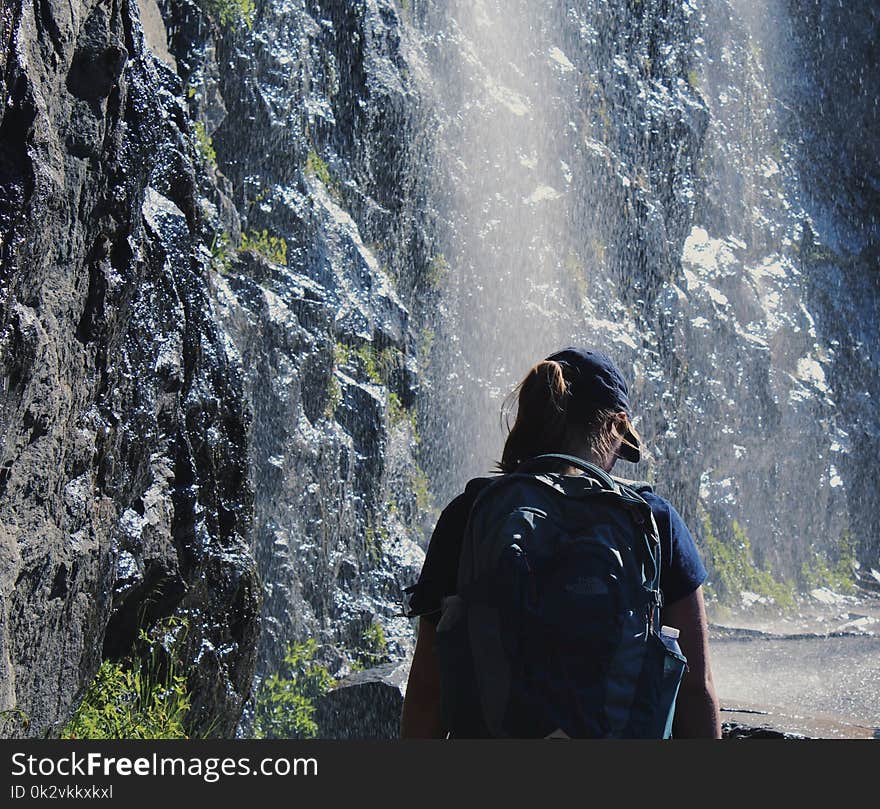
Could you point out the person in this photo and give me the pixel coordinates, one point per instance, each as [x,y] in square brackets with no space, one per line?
[575,402]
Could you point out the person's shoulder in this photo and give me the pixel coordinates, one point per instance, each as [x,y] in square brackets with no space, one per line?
[665,514]
[475,485]
[461,503]
[658,503]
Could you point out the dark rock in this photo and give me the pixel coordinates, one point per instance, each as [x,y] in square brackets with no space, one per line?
[735,730]
[125,498]
[366,705]
[94,74]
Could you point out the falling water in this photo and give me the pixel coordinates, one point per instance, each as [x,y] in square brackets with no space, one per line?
[628,177]
[545,161]
[648,178]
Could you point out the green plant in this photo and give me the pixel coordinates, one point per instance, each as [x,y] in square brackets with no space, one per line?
[821,571]
[421,489]
[141,697]
[341,355]
[316,167]
[221,253]
[377,364]
[375,537]
[334,396]
[231,12]
[399,415]
[373,648]
[9,715]
[285,702]
[734,570]
[204,144]
[436,271]
[272,248]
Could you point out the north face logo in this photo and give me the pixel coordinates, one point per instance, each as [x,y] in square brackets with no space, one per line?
[587,586]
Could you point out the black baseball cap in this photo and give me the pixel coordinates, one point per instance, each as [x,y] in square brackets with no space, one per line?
[595,383]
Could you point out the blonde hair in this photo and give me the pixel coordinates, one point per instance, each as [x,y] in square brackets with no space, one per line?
[603,430]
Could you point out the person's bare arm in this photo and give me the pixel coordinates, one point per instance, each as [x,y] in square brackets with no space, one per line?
[421,705]
[696,712]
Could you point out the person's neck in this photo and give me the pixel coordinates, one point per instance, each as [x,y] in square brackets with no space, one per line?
[587,456]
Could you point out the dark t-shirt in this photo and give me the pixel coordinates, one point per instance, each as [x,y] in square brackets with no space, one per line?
[681,569]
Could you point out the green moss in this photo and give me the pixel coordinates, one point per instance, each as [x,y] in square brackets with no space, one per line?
[316,167]
[204,144]
[437,271]
[341,355]
[425,346]
[734,571]
[693,79]
[272,248]
[334,397]
[837,575]
[375,538]
[141,697]
[285,702]
[421,489]
[222,253]
[231,13]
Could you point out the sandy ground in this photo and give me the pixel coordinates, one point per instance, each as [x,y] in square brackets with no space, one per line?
[815,672]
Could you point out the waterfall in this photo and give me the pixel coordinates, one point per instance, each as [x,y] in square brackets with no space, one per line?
[567,155]
[631,177]
[546,155]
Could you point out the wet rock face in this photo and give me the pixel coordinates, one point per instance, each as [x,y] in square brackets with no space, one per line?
[313,139]
[834,104]
[125,496]
[715,233]
[237,253]
[564,187]
[770,315]
[184,409]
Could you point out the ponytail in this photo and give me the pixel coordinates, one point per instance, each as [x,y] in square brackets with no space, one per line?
[541,422]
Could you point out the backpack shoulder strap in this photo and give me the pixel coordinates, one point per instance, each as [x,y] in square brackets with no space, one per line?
[638,486]
[579,463]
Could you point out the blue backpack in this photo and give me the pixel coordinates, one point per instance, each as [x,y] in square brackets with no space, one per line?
[554,628]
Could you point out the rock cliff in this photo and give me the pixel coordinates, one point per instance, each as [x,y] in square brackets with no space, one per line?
[268,269]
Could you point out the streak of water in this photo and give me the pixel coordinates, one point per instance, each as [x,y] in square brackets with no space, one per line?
[534,243]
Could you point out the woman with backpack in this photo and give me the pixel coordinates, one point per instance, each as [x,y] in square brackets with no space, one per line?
[575,403]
